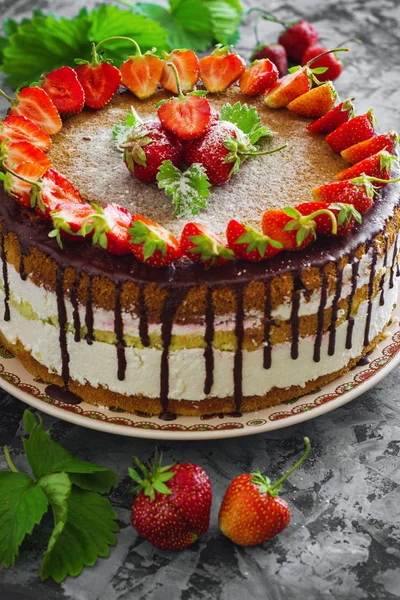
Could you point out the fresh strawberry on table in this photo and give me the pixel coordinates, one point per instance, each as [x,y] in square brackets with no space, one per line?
[72,221]
[378,165]
[385,141]
[315,103]
[203,246]
[110,227]
[20,183]
[297,37]
[63,87]
[188,67]
[356,130]
[100,80]
[141,73]
[286,230]
[12,155]
[147,147]
[259,77]
[330,62]
[34,104]
[251,511]
[326,218]
[20,129]
[221,69]
[249,244]
[342,113]
[186,116]
[153,244]
[276,54]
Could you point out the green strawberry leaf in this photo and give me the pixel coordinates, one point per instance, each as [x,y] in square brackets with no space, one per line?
[122,131]
[101,482]
[247,119]
[226,16]
[88,533]
[189,190]
[22,506]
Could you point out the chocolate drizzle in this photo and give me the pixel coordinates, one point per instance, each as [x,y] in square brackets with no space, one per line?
[119,333]
[143,320]
[335,304]
[238,359]
[209,338]
[394,264]
[370,294]
[294,317]
[350,320]
[320,317]
[62,320]
[62,394]
[75,308]
[5,279]
[267,326]
[382,281]
[89,337]
[22,272]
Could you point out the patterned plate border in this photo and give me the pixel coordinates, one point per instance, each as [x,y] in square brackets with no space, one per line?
[16,380]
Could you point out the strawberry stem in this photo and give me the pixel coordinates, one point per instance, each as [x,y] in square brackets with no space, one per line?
[10,100]
[310,62]
[278,484]
[322,211]
[10,463]
[262,153]
[178,81]
[21,177]
[120,37]
[357,180]
[267,16]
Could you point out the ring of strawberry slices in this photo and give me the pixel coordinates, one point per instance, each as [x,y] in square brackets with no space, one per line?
[188,132]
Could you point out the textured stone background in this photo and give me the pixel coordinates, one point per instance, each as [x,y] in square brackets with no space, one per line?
[344,539]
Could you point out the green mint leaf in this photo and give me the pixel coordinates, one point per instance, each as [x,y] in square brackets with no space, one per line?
[189,190]
[22,506]
[247,119]
[88,533]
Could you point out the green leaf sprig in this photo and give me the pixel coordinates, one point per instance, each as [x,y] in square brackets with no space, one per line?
[247,119]
[84,522]
[189,189]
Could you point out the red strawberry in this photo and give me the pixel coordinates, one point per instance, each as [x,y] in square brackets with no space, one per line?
[249,244]
[148,146]
[64,89]
[54,189]
[259,77]
[111,229]
[356,130]
[141,73]
[330,61]
[359,192]
[385,141]
[152,244]
[276,54]
[202,245]
[221,68]
[72,221]
[315,103]
[20,185]
[12,155]
[251,511]
[378,165]
[324,218]
[186,116]
[288,89]
[188,67]
[278,225]
[34,104]
[173,503]
[342,113]
[100,80]
[20,129]
[297,37]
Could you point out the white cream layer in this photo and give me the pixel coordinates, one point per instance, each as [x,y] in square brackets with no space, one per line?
[97,363]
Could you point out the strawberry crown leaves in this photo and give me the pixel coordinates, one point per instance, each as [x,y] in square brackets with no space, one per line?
[123,130]
[189,190]
[256,241]
[97,223]
[386,161]
[143,234]
[209,249]
[246,119]
[305,224]
[311,73]
[133,148]
[348,106]
[346,212]
[366,181]
[151,479]
[36,189]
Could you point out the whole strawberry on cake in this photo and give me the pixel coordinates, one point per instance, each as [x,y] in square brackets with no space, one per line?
[185,236]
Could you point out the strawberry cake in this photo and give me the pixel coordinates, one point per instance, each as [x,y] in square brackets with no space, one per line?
[167,251]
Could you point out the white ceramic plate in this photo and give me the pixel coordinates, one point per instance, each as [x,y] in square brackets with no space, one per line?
[16,380]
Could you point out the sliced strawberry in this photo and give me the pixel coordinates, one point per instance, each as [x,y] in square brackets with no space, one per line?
[12,155]
[385,141]
[21,187]
[100,80]
[276,54]
[221,69]
[283,228]
[20,129]
[356,130]
[141,73]
[297,37]
[55,188]
[188,67]
[249,244]
[259,77]
[111,229]
[325,218]
[315,103]
[330,62]
[153,244]
[69,219]
[287,89]
[63,87]
[359,192]
[342,113]
[202,246]
[378,165]
[34,104]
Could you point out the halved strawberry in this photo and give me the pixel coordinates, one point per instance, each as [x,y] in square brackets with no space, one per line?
[281,227]
[100,80]
[63,87]
[356,130]
[34,104]
[141,73]
[325,218]
[287,89]
[315,103]
[203,246]
[249,244]
[12,155]
[330,62]
[153,244]
[186,116]
[20,129]
[259,77]
[385,141]
[54,189]
[222,68]
[378,165]
[20,185]
[188,67]
[111,228]
[68,220]
[359,192]
[342,113]
[276,54]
